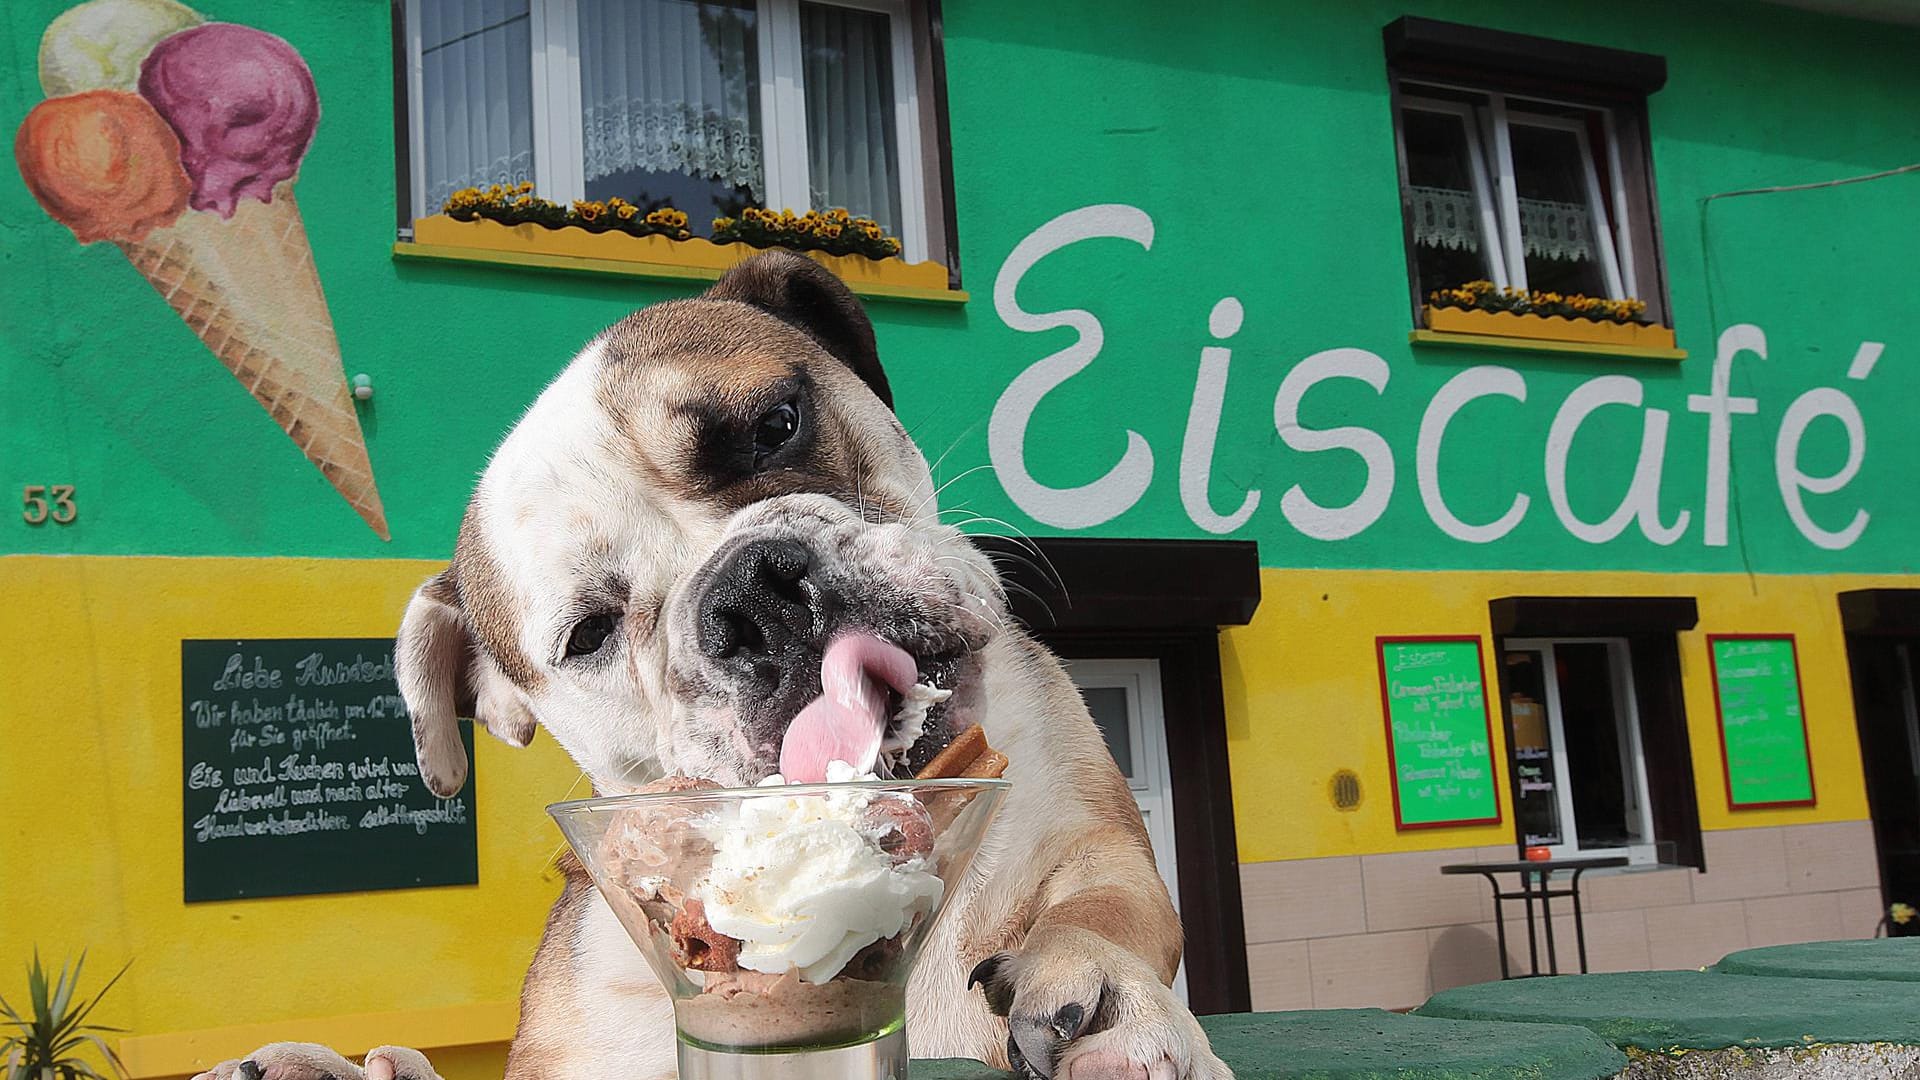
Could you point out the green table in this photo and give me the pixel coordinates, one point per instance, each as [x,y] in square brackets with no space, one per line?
[1875,959]
[1697,1010]
[1370,1044]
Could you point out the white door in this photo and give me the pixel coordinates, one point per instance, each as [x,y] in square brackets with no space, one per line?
[1124,698]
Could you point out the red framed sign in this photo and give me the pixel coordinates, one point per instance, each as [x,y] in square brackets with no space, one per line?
[1439,733]
[1764,753]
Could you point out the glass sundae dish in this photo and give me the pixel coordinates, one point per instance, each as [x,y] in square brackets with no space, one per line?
[784,919]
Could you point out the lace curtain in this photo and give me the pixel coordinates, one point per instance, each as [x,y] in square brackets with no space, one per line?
[1557,230]
[853,156]
[671,86]
[1450,219]
[1445,218]
[476,82]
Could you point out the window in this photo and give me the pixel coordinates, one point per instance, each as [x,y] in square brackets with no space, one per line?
[1523,162]
[1524,193]
[1580,771]
[709,106]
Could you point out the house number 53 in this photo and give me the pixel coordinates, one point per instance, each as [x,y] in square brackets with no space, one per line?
[45,502]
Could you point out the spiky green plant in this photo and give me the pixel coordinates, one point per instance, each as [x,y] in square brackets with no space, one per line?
[47,1043]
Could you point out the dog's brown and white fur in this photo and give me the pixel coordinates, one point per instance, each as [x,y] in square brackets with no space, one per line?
[675,447]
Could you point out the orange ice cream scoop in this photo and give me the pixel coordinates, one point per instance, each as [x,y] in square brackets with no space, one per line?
[103,163]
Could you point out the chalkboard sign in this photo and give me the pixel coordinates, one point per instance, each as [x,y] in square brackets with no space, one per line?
[1439,737]
[299,774]
[1763,724]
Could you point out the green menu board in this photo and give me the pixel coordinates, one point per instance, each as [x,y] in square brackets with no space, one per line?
[1763,729]
[1439,738]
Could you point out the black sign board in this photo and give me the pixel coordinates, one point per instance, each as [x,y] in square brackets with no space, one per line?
[299,774]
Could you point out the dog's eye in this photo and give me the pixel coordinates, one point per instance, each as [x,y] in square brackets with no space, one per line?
[589,634]
[773,430]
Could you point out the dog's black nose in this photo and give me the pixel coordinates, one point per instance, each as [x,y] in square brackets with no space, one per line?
[759,606]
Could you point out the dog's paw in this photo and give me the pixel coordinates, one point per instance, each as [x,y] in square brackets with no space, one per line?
[1079,1007]
[305,1061]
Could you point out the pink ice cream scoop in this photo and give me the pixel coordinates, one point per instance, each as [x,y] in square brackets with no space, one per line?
[243,104]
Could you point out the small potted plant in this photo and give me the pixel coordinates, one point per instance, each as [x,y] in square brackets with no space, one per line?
[51,1040]
[1898,921]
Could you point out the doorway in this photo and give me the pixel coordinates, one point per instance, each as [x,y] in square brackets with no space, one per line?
[1575,731]
[1125,700]
[1882,663]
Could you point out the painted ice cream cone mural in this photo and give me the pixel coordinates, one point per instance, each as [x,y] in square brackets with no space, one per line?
[179,141]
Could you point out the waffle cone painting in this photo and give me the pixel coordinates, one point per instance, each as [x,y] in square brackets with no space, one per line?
[179,141]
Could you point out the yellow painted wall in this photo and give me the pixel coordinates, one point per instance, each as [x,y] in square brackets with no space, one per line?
[1303,698]
[90,833]
[90,829]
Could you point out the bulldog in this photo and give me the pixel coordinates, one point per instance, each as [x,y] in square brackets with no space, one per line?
[652,567]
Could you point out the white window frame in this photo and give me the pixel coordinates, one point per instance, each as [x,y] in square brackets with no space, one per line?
[558,153]
[1477,169]
[1491,159]
[1633,755]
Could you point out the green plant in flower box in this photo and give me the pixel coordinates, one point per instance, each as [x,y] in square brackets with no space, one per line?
[516,204]
[1486,296]
[835,232]
[50,1040]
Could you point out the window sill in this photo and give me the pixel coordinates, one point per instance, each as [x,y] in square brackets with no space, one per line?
[1534,333]
[653,257]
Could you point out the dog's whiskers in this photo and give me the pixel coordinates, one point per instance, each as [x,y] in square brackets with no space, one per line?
[1020,537]
[934,495]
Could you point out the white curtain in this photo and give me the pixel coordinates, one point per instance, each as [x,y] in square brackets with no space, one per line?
[853,154]
[476,95]
[1445,218]
[671,86]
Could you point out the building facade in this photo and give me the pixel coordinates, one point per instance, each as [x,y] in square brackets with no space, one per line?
[1362,576]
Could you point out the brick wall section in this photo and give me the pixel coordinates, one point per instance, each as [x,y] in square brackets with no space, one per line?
[1390,930]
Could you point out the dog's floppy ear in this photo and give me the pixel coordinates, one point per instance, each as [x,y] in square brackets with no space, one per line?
[443,677]
[803,294]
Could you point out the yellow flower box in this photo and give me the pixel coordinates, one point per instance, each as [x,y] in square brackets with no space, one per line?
[1506,324]
[694,258]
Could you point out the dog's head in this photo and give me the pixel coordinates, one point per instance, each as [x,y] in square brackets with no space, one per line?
[708,507]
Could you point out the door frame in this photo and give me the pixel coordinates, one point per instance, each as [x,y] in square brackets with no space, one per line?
[1632,751]
[1869,617]
[1162,600]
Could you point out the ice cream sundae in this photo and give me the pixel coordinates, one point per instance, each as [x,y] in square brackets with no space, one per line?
[785,918]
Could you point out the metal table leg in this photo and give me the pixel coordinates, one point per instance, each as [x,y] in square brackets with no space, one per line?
[1546,913]
[1499,923]
[1533,949]
[1579,923]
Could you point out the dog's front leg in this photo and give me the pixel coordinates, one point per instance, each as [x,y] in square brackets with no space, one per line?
[1086,994]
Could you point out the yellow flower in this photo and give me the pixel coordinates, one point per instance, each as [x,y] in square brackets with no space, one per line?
[1901,913]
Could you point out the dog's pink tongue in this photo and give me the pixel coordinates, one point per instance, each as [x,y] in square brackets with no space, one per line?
[848,719]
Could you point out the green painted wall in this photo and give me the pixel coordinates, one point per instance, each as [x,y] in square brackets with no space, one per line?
[1259,142]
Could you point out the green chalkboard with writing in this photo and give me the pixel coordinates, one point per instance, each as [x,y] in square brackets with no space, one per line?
[298,774]
[1763,725]
[1439,737]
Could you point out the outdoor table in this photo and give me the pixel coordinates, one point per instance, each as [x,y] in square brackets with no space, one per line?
[1543,870]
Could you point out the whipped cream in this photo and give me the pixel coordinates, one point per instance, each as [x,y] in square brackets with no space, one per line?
[910,722]
[803,883]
